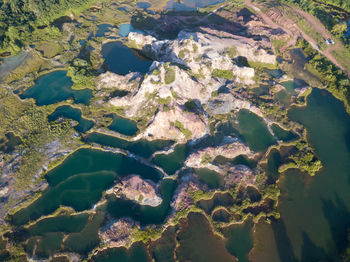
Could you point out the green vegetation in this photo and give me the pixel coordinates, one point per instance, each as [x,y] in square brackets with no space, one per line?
[24,21]
[329,12]
[164,101]
[81,73]
[232,51]
[185,131]
[190,106]
[278,44]
[333,78]
[182,53]
[169,76]
[150,233]
[303,159]
[220,73]
[31,122]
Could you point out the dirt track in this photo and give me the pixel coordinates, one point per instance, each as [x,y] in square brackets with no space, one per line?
[294,31]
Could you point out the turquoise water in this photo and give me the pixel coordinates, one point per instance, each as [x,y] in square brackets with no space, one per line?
[143,5]
[315,211]
[56,87]
[80,180]
[125,29]
[254,131]
[141,147]
[123,8]
[74,114]
[80,192]
[172,162]
[122,60]
[87,160]
[103,29]
[123,125]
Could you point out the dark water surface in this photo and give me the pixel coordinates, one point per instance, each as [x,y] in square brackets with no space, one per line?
[122,60]
[80,180]
[74,114]
[123,125]
[315,211]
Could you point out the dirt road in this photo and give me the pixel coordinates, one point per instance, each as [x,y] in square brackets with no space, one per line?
[295,32]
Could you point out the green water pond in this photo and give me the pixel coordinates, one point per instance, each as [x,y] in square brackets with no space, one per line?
[80,180]
[141,147]
[320,233]
[254,131]
[74,114]
[56,87]
[123,126]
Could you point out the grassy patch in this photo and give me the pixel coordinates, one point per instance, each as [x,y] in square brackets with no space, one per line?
[220,73]
[169,76]
[183,130]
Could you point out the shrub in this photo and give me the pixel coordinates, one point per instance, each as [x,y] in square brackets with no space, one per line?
[220,73]
[169,76]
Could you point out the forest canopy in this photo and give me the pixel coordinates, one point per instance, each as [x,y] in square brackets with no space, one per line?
[19,18]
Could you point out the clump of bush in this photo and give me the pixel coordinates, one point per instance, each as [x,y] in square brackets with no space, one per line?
[169,76]
[220,73]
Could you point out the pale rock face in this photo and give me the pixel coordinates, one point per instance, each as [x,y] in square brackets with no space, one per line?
[225,103]
[229,150]
[162,126]
[203,53]
[111,80]
[141,39]
[135,188]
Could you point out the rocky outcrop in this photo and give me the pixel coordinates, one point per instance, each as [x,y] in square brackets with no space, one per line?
[164,125]
[239,174]
[182,197]
[189,68]
[205,41]
[133,187]
[226,102]
[231,149]
[117,234]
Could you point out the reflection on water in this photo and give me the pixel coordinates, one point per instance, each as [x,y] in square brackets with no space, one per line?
[314,210]
[190,5]
[122,60]
[55,87]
